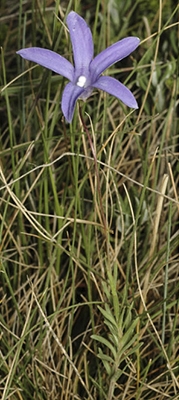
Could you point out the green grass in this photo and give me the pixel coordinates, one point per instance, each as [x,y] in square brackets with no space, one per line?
[89,256]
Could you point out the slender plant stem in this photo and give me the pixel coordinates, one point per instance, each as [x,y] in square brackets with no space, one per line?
[96,170]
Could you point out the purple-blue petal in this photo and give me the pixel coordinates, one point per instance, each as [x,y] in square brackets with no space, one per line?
[82,42]
[112,54]
[70,95]
[49,59]
[117,89]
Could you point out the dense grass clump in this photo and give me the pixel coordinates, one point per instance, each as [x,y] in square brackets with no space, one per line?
[89,233]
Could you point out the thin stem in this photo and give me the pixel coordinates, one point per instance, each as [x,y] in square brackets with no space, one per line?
[96,169]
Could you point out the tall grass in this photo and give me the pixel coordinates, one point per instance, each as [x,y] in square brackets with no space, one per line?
[89,245]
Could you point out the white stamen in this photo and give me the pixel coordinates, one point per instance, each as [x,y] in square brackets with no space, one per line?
[81,81]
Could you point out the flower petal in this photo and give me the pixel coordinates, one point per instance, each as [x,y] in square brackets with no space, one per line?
[70,95]
[49,59]
[82,42]
[112,54]
[117,89]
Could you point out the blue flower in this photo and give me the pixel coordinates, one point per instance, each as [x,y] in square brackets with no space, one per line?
[85,75]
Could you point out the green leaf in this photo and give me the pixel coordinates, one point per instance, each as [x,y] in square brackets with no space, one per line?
[129,332]
[105,360]
[108,315]
[106,343]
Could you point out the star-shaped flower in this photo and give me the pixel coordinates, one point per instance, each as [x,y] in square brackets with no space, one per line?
[86,72]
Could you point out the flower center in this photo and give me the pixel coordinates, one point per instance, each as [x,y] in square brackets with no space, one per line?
[81,81]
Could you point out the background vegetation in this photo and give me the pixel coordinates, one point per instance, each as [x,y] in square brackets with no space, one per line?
[89,255]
